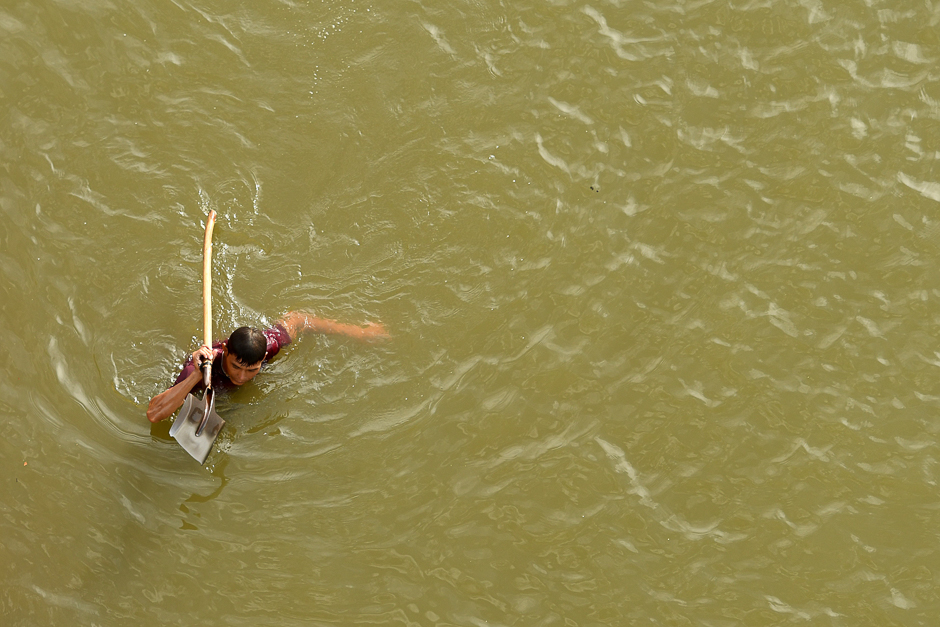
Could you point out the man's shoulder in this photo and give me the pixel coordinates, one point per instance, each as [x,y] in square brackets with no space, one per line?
[277,337]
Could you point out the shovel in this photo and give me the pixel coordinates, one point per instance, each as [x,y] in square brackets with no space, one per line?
[198,425]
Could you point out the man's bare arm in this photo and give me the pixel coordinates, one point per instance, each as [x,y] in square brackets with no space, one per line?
[165,403]
[297,322]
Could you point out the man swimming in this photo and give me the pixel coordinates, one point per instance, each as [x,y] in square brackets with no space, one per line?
[237,360]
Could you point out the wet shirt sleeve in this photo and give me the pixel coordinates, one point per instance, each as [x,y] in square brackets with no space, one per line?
[187,370]
[277,338]
[189,367]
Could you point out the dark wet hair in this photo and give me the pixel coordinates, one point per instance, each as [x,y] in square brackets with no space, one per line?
[248,345]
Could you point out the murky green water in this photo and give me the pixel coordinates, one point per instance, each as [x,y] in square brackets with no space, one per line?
[660,278]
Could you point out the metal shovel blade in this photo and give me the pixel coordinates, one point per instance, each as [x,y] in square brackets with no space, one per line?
[197,425]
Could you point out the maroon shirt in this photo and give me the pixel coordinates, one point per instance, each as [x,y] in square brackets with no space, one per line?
[277,338]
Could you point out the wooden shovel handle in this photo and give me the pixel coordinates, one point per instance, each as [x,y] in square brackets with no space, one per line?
[207,290]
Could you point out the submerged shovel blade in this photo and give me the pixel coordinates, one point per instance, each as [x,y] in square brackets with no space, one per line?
[186,427]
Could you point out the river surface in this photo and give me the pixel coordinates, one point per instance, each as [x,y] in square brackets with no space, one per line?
[661,280]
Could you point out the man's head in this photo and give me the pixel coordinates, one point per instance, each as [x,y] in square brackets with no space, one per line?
[243,353]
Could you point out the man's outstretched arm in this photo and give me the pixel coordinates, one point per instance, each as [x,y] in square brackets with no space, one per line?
[297,322]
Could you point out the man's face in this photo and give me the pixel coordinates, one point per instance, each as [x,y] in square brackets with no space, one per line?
[239,373]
